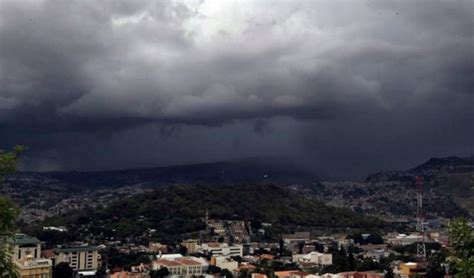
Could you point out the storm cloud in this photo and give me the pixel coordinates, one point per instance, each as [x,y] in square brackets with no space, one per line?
[346,87]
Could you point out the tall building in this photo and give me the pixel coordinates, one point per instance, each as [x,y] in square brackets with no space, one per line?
[80,258]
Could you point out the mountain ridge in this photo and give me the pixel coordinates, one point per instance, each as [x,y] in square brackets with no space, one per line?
[255,169]
[452,176]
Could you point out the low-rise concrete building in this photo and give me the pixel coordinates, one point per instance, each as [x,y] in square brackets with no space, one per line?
[297,237]
[226,263]
[222,249]
[403,239]
[412,269]
[191,245]
[173,267]
[313,257]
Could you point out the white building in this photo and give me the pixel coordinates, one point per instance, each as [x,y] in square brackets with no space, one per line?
[403,239]
[222,249]
[314,257]
[169,256]
[181,266]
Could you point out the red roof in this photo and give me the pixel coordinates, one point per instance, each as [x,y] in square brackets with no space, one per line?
[247,266]
[166,262]
[187,261]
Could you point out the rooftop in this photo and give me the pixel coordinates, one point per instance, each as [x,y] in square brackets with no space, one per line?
[300,273]
[22,239]
[187,261]
[69,249]
[170,256]
[285,273]
[166,262]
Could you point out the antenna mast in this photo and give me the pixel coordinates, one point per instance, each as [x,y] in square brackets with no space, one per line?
[420,247]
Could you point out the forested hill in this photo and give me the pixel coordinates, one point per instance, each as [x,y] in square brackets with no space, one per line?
[176,210]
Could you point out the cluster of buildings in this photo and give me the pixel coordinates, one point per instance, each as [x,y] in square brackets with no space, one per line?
[31,261]
[306,255]
[219,256]
[227,248]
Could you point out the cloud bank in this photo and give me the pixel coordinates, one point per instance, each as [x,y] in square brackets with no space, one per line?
[348,86]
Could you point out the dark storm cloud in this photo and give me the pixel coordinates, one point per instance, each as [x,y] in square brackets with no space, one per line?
[327,81]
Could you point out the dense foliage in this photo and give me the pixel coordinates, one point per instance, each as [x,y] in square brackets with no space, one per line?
[177,210]
[8,211]
[369,239]
[63,270]
[461,237]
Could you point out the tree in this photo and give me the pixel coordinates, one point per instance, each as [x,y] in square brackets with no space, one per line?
[370,239]
[318,247]
[386,267]
[212,269]
[63,270]
[9,160]
[183,250]
[351,263]
[160,273]
[374,239]
[8,211]
[282,247]
[301,246]
[461,237]
[244,273]
[226,273]
[368,264]
[435,267]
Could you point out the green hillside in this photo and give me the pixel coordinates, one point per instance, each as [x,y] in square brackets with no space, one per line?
[176,210]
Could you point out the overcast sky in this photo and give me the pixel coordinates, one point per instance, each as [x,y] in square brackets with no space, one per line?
[347,87]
